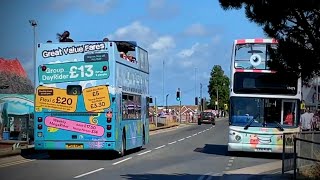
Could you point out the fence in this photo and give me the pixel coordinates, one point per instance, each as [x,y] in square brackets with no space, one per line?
[288,152]
[304,153]
[169,119]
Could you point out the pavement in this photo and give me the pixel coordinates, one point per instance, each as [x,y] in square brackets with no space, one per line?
[182,152]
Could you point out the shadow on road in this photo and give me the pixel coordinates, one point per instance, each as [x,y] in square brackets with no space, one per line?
[78,155]
[222,150]
[198,176]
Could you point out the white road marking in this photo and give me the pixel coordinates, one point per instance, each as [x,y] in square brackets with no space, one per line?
[229,164]
[204,130]
[208,129]
[88,173]
[194,134]
[144,153]
[199,132]
[122,161]
[172,142]
[181,139]
[160,147]
[230,160]
[188,137]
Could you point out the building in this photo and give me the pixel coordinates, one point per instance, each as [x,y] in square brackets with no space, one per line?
[16,101]
[309,93]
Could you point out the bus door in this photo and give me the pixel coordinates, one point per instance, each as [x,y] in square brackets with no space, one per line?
[288,112]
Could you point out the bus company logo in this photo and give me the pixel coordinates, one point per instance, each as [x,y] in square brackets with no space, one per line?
[73,50]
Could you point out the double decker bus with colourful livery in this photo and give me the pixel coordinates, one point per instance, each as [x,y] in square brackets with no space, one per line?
[91,96]
[264,104]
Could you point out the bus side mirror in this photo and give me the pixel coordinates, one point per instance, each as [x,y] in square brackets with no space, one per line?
[150,100]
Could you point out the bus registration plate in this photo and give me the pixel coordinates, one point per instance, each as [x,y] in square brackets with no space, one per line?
[74,146]
[263,150]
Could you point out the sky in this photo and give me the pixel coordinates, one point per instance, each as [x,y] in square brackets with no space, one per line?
[188,36]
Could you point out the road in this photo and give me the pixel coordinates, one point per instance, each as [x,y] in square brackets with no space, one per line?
[190,152]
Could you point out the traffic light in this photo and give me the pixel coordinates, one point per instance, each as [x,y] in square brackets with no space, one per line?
[178,95]
[196,100]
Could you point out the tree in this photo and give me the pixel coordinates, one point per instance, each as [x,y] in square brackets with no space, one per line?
[218,82]
[295,24]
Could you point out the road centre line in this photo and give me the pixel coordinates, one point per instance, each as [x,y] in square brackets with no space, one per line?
[91,172]
[122,161]
[172,142]
[144,153]
[160,147]
[188,137]
[194,134]
[181,139]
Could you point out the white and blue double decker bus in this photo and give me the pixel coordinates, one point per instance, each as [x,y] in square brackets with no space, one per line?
[264,104]
[91,96]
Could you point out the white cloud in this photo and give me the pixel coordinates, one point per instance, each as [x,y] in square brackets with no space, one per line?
[158,46]
[188,52]
[196,29]
[163,43]
[195,48]
[90,6]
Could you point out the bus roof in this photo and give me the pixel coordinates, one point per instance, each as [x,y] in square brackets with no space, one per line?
[255,41]
[128,44]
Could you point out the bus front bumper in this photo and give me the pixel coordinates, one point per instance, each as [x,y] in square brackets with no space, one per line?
[271,148]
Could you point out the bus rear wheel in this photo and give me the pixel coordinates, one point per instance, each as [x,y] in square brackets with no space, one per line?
[123,146]
[143,137]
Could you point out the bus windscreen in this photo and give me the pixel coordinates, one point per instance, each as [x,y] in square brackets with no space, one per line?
[265,83]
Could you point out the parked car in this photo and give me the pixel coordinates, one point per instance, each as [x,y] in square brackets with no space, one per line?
[206,117]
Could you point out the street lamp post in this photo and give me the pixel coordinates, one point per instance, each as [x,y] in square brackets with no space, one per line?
[201,105]
[34,24]
[167,103]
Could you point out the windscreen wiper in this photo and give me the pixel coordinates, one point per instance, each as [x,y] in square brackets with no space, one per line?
[279,125]
[248,124]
